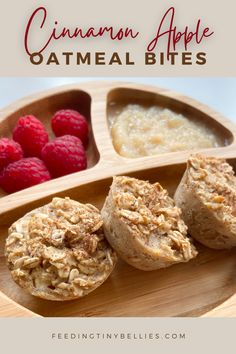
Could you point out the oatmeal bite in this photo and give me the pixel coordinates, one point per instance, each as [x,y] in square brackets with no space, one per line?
[58,251]
[207,197]
[144,226]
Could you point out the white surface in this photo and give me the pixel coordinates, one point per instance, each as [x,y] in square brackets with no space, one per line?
[219,93]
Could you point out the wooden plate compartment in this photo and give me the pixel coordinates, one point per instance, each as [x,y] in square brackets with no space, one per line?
[120,97]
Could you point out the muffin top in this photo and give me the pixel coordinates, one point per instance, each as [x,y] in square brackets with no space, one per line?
[58,251]
[214,182]
[151,216]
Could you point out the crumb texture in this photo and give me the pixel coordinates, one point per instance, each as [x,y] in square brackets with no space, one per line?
[58,251]
[207,197]
[143,224]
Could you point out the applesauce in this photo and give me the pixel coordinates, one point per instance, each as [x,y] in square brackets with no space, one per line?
[142,131]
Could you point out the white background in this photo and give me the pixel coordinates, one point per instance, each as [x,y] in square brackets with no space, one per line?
[219,93]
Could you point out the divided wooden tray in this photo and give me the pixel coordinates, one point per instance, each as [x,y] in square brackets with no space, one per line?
[203,287]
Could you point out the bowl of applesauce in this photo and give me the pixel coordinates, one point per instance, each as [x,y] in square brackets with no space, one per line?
[139,131]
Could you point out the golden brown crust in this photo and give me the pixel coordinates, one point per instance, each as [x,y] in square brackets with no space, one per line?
[58,251]
[207,197]
[144,226]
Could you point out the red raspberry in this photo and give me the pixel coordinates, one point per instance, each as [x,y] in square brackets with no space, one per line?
[10,151]
[64,155]
[30,133]
[23,173]
[68,121]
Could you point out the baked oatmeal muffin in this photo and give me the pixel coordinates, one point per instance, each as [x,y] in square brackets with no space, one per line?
[144,226]
[58,251]
[207,197]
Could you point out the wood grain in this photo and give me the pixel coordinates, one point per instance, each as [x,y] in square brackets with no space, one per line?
[202,287]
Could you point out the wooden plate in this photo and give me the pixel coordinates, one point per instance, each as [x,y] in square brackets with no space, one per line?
[203,287]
